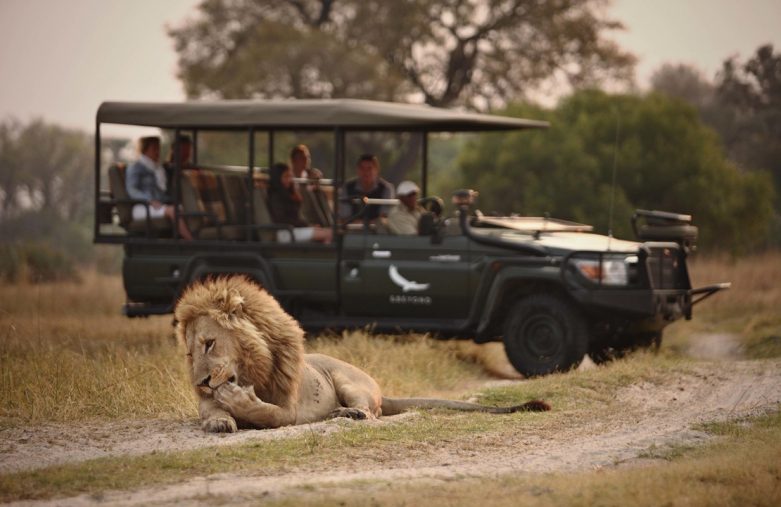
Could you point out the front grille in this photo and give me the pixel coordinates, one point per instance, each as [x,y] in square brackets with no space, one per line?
[664,269]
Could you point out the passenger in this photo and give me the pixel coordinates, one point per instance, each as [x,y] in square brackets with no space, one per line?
[145,180]
[185,146]
[284,203]
[301,163]
[405,217]
[367,184]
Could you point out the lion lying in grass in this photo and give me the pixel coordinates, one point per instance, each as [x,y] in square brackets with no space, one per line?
[248,366]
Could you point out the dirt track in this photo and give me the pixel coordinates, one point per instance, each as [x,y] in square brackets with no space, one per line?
[654,415]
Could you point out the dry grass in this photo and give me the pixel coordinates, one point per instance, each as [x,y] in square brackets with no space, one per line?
[744,468]
[583,398]
[749,310]
[406,365]
[66,354]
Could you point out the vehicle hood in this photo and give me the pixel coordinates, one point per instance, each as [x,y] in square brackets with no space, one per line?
[560,242]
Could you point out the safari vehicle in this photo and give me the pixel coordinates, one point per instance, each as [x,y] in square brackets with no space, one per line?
[551,290]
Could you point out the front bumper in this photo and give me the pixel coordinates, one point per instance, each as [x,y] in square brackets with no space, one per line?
[657,283]
[666,305]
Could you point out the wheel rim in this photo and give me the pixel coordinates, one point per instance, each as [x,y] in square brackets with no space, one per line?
[541,336]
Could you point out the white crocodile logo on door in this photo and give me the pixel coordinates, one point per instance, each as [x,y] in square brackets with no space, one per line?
[406,285]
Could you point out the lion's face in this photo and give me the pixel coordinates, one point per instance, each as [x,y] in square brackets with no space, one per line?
[213,354]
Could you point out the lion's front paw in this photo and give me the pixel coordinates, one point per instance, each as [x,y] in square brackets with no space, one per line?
[234,398]
[219,425]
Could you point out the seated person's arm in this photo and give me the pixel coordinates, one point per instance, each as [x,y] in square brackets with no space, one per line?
[133,184]
[388,193]
[281,213]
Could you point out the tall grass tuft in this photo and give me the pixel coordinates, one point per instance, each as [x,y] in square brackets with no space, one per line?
[749,310]
[405,365]
[66,354]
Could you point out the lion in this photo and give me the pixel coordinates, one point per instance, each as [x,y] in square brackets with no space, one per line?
[248,366]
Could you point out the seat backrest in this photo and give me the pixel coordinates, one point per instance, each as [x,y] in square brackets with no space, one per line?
[325,207]
[191,201]
[235,193]
[211,194]
[310,208]
[116,185]
[262,215]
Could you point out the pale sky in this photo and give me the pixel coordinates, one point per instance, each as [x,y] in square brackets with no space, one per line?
[59,59]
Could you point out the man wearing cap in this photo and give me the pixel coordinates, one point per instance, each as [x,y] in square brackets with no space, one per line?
[404,217]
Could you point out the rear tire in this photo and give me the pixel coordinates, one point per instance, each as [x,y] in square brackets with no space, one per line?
[544,334]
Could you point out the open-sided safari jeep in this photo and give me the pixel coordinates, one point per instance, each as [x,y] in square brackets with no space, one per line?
[551,290]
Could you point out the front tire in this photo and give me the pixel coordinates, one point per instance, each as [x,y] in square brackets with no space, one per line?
[625,346]
[544,334]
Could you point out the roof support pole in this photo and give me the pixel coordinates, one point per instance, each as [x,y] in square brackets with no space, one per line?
[177,190]
[96,229]
[250,211]
[424,170]
[338,166]
[195,147]
[270,148]
[338,237]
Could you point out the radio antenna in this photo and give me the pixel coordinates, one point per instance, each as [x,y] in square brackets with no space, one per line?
[613,183]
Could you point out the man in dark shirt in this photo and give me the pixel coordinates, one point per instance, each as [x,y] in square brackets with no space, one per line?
[185,146]
[367,183]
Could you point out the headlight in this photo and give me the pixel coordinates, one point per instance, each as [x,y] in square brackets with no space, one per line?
[607,270]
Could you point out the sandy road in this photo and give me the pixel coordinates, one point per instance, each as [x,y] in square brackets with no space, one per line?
[653,415]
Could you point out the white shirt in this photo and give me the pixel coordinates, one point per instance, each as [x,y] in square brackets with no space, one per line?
[157,169]
[402,220]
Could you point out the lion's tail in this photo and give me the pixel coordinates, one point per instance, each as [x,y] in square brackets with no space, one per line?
[393,406]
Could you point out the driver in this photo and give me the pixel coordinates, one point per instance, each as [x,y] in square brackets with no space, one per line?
[367,183]
[405,217]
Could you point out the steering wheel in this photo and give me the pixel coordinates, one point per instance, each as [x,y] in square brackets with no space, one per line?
[432,204]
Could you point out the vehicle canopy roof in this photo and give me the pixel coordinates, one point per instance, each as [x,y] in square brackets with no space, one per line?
[348,114]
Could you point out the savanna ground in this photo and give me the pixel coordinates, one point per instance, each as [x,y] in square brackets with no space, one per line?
[96,408]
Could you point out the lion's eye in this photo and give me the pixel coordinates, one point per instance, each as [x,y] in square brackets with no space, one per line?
[209,344]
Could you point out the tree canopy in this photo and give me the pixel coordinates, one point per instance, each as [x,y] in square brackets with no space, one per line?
[44,167]
[742,103]
[665,158]
[478,53]
[752,92]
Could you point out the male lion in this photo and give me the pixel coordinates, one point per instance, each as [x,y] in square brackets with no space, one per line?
[247,361]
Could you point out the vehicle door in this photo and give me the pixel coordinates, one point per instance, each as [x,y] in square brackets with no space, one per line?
[406,277]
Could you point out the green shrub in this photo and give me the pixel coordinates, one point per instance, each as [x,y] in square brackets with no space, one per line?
[36,262]
[10,263]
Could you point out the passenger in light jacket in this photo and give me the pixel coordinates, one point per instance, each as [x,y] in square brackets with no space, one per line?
[145,180]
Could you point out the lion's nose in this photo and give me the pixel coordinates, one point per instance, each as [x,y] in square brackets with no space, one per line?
[205,381]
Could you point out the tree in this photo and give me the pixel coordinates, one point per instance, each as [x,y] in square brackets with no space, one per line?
[743,104]
[478,53]
[684,82]
[752,91]
[687,83]
[665,157]
[11,176]
[45,167]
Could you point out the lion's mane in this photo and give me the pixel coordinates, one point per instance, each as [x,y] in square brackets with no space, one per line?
[271,341]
